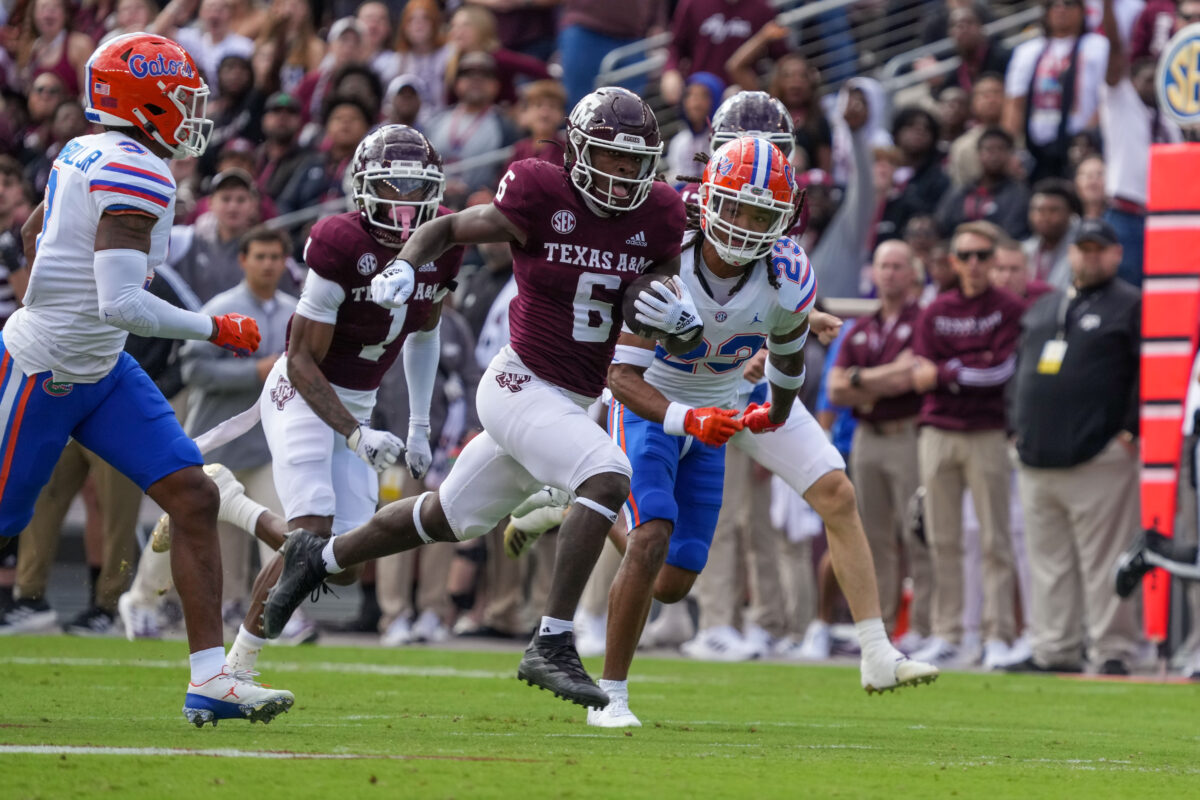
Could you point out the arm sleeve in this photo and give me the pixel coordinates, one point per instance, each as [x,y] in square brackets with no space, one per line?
[842,249]
[421,352]
[320,299]
[975,372]
[124,304]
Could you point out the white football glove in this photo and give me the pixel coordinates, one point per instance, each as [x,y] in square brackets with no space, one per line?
[669,308]
[380,449]
[419,455]
[392,287]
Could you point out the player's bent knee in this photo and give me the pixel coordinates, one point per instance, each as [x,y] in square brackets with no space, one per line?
[186,493]
[833,495]
[608,489]
[673,584]
[649,542]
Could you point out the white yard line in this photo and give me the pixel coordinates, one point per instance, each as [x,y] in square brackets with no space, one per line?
[227,752]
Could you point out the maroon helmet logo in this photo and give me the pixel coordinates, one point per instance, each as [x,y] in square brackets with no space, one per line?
[282,392]
[513,381]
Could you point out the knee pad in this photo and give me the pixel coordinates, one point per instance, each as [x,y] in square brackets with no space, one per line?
[655,504]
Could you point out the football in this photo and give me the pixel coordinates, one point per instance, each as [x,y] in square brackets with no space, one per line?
[628,309]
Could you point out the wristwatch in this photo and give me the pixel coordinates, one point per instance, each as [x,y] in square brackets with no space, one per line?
[855,375]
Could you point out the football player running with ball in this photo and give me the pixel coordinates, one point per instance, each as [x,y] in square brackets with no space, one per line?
[752,286]
[579,233]
[101,229]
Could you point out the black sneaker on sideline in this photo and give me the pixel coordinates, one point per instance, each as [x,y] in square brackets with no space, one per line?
[1114,666]
[551,662]
[303,572]
[1029,665]
[1131,566]
[28,616]
[91,622]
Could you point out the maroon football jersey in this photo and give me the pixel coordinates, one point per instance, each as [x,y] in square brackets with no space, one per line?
[368,337]
[573,270]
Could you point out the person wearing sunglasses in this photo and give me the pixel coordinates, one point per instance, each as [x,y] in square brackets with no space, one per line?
[967,339]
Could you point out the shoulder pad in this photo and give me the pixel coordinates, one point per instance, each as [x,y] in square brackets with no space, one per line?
[796,278]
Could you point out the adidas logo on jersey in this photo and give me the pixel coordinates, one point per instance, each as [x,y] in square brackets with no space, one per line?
[638,239]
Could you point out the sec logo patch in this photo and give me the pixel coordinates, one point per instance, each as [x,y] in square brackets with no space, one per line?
[367,263]
[563,221]
[1177,80]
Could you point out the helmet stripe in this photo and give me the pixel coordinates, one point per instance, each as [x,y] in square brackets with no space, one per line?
[755,178]
[767,172]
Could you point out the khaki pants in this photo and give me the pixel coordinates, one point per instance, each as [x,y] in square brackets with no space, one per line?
[1077,522]
[428,568]
[507,608]
[886,475]
[951,462]
[119,498]
[236,544]
[745,544]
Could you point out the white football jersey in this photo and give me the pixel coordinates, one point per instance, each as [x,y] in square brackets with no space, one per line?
[710,374]
[59,328]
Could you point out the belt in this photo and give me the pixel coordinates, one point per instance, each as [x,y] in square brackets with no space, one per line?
[1127,206]
[890,427]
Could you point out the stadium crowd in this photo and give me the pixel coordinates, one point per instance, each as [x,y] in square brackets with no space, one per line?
[986,400]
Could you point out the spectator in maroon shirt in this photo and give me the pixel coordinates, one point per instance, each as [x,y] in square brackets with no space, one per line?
[543,112]
[874,376]
[1156,22]
[706,33]
[345,47]
[968,336]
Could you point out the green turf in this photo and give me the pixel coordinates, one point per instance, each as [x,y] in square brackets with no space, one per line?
[457,724]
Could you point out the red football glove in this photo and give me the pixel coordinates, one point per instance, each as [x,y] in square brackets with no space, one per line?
[713,426]
[236,333]
[755,418]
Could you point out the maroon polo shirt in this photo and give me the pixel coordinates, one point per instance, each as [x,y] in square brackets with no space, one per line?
[872,342]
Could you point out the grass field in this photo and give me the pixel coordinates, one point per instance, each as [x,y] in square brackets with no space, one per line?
[100,718]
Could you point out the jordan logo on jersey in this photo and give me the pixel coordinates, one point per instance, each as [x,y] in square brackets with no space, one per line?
[513,381]
[282,392]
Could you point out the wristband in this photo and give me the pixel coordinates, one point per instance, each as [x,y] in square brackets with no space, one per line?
[781,379]
[673,419]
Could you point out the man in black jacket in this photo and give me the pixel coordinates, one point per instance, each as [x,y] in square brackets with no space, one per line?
[1074,410]
[995,197]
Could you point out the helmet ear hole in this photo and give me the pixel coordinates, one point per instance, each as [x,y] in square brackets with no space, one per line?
[157,111]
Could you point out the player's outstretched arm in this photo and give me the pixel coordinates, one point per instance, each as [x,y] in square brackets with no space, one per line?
[307,346]
[121,265]
[474,225]
[422,350]
[627,382]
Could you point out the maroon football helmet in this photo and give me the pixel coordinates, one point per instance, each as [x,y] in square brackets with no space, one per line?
[397,182]
[615,119]
[754,114]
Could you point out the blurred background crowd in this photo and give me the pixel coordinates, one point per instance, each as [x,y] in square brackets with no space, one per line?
[1028,123]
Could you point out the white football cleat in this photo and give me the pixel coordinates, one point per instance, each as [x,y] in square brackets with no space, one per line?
[233,695]
[429,628]
[538,513]
[139,621]
[614,715]
[722,643]
[937,651]
[818,643]
[895,672]
[398,633]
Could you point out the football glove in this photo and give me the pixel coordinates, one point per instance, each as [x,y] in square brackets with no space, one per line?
[236,333]
[418,454]
[669,308]
[380,449]
[713,426]
[392,287]
[756,418]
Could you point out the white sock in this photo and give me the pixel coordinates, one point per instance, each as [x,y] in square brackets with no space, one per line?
[242,512]
[331,564]
[206,664]
[245,650]
[614,687]
[873,639]
[551,626]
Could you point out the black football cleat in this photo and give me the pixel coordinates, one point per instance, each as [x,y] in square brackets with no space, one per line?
[551,662]
[1132,564]
[303,573]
